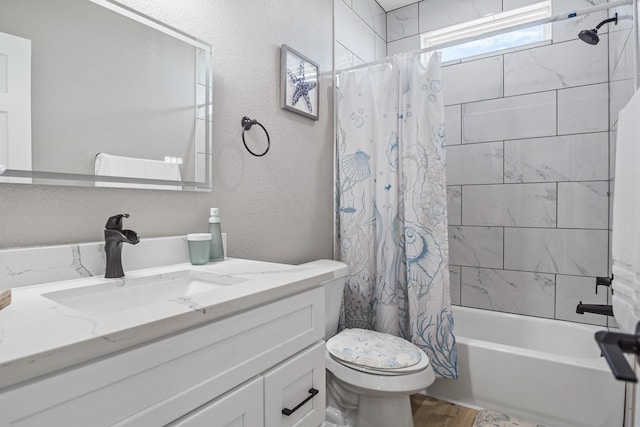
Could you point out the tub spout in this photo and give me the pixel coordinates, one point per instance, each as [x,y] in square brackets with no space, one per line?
[603,309]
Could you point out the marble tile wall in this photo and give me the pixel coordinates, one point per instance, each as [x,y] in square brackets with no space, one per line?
[517,205]
[511,291]
[573,119]
[581,157]
[476,246]
[475,164]
[524,116]
[529,172]
[463,89]
[360,32]
[557,250]
[547,68]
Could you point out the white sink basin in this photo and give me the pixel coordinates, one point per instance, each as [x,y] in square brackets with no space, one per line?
[115,295]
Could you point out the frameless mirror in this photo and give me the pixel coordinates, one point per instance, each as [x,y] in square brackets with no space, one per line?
[94,93]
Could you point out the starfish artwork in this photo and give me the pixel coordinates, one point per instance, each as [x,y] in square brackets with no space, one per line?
[303,87]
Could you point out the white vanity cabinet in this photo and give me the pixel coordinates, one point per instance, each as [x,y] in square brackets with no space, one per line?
[296,385]
[261,401]
[241,370]
[241,407]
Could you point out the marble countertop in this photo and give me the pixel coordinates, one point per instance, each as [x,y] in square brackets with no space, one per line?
[39,336]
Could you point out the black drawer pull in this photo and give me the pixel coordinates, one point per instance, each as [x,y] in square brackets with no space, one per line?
[287,411]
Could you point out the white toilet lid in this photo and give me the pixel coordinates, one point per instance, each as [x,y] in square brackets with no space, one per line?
[370,350]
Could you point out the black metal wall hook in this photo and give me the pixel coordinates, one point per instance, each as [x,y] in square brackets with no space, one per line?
[246,125]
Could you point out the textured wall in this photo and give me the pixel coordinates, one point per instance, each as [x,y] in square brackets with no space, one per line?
[276,208]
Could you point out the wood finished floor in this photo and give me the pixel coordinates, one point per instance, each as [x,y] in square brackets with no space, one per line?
[429,412]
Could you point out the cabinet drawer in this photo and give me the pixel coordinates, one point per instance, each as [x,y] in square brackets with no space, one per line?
[241,407]
[289,384]
[157,383]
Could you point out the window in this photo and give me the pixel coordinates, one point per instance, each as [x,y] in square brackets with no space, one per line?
[488,34]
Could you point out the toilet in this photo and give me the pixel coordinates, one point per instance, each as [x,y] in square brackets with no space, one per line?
[370,375]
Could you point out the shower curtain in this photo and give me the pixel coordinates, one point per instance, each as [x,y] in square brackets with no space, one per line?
[391,204]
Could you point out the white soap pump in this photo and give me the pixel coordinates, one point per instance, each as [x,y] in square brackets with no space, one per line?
[217,252]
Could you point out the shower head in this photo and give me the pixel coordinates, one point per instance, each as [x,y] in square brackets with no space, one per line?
[591,36]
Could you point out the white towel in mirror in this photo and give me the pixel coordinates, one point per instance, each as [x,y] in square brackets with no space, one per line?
[131,167]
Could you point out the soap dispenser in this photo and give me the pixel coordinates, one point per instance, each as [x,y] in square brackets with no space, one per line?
[217,252]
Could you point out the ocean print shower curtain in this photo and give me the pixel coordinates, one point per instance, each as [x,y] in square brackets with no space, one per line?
[391,202]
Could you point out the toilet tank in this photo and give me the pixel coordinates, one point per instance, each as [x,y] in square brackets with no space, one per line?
[333,290]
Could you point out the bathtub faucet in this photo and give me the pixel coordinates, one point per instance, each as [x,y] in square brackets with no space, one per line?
[603,309]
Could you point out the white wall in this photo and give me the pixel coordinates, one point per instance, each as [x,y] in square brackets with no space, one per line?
[278,207]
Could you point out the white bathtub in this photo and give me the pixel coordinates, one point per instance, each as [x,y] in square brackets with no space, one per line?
[542,370]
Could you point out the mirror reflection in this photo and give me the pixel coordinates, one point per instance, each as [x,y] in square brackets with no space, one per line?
[92,93]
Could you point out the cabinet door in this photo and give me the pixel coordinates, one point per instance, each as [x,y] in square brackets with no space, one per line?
[241,407]
[297,384]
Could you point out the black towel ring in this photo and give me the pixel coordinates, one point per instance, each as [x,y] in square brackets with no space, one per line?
[246,125]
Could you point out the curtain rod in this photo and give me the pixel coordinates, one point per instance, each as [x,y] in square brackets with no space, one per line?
[555,18]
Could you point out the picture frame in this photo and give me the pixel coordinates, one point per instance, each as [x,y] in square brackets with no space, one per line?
[299,85]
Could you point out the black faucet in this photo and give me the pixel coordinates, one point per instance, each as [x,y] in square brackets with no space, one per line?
[114,237]
[603,309]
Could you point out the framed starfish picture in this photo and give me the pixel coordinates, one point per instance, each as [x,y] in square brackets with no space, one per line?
[299,89]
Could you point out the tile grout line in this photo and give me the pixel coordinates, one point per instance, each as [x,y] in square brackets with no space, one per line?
[522,271]
[525,138]
[555,296]
[557,113]
[557,205]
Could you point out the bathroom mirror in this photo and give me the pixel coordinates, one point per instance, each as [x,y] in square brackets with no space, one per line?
[94,93]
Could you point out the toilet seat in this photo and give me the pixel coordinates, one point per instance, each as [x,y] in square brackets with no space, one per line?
[376,353]
[424,362]
[372,383]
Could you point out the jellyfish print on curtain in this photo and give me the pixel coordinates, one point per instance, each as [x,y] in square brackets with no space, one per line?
[391,202]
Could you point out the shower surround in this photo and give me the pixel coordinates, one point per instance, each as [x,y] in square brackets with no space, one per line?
[528,169]
[530,162]
[527,163]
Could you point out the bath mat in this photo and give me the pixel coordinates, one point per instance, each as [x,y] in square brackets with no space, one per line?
[487,418]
